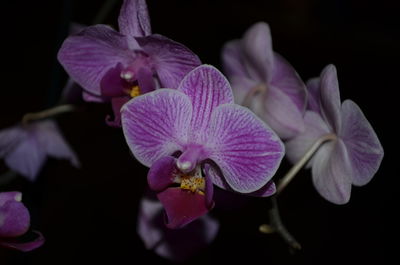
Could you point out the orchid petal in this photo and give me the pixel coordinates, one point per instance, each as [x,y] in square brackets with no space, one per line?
[257,47]
[25,247]
[89,55]
[313,88]
[363,146]
[116,104]
[331,172]
[267,190]
[330,97]
[51,139]
[315,129]
[287,80]
[112,85]
[241,87]
[246,150]
[155,124]
[232,59]
[134,18]
[14,219]
[171,60]
[145,80]
[282,114]
[207,88]
[89,97]
[10,196]
[10,138]
[161,173]
[182,206]
[27,158]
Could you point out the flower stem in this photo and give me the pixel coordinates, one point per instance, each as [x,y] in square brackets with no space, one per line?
[47,113]
[277,226]
[300,164]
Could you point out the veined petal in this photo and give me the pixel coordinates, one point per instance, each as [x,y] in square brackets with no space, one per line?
[232,59]
[89,55]
[156,124]
[330,97]
[257,47]
[171,60]
[314,96]
[241,87]
[282,114]
[365,150]
[134,18]
[286,79]
[160,175]
[246,150]
[14,219]
[315,127]
[182,206]
[207,88]
[269,189]
[331,172]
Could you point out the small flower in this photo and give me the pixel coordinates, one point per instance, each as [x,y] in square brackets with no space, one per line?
[25,148]
[177,244]
[15,222]
[355,154]
[195,136]
[265,82]
[116,66]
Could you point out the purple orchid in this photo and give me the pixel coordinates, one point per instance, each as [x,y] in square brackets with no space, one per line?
[25,148]
[175,245]
[265,82]
[14,222]
[116,66]
[195,136]
[355,153]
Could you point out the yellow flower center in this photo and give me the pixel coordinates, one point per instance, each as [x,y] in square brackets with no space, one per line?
[193,183]
[135,91]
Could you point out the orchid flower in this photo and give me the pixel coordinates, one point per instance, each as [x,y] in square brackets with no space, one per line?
[116,66]
[353,154]
[177,244]
[265,82]
[14,222]
[25,147]
[195,136]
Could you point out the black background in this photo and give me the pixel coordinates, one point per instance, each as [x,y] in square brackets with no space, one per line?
[88,216]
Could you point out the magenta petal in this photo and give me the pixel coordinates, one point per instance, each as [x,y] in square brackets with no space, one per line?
[331,172]
[10,196]
[146,80]
[362,143]
[134,18]
[173,244]
[269,189]
[171,60]
[112,85]
[232,59]
[14,219]
[89,55]
[25,247]
[330,97]
[246,150]
[286,79]
[313,88]
[156,124]
[257,47]
[207,88]
[116,104]
[161,173]
[182,206]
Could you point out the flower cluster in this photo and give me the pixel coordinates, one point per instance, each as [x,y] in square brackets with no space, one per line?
[196,130]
